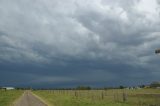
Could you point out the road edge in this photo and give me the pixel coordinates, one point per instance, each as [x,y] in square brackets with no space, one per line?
[42,100]
[16,100]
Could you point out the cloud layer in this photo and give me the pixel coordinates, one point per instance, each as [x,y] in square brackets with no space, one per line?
[80,41]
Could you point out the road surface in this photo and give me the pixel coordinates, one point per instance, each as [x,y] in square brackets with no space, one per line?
[28,99]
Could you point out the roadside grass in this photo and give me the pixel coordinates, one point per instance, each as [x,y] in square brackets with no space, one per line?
[8,97]
[139,97]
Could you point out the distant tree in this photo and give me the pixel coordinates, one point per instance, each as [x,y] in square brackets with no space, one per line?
[83,88]
[155,84]
[121,87]
[142,86]
[107,88]
[157,51]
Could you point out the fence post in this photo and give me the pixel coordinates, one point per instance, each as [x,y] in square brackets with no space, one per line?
[124,97]
[76,94]
[102,95]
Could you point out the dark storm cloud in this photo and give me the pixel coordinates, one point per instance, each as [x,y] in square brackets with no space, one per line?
[79,42]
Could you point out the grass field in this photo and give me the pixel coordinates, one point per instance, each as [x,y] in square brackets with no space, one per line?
[139,97]
[8,97]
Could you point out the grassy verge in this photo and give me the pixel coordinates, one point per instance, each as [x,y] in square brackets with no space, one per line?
[142,97]
[8,97]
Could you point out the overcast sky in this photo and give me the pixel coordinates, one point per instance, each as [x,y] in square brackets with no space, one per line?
[65,43]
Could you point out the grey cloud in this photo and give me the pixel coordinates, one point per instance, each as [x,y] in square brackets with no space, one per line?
[69,34]
[63,31]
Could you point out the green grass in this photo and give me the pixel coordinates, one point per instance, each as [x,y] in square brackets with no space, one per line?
[141,97]
[8,97]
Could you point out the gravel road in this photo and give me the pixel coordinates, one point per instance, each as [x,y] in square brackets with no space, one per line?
[28,99]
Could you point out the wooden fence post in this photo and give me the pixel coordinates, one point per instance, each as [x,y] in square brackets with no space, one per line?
[124,97]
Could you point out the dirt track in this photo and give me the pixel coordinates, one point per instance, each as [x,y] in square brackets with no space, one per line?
[28,99]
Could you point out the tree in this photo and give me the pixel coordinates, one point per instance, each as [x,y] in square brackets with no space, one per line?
[157,51]
[121,87]
[83,88]
[155,84]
